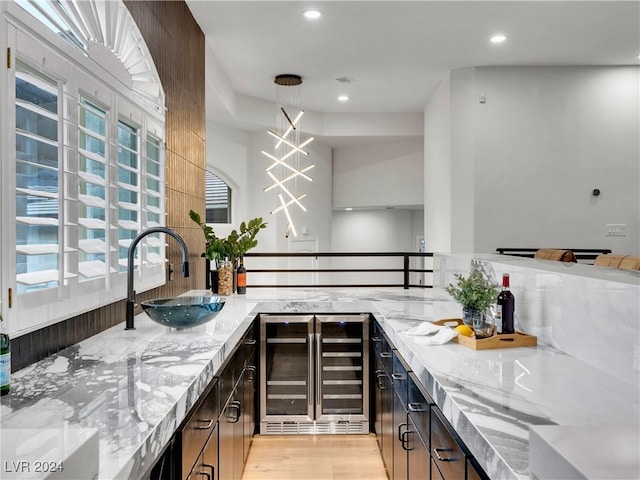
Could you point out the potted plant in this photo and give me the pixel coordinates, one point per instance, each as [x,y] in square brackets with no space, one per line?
[231,247]
[476,294]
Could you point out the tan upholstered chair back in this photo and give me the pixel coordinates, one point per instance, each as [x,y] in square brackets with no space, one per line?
[630,263]
[555,254]
[608,260]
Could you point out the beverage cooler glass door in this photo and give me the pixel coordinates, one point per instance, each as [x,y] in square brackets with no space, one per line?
[342,367]
[286,368]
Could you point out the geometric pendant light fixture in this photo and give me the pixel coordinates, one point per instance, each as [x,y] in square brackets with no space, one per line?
[289,165]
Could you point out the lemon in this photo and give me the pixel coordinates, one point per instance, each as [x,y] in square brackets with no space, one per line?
[465,330]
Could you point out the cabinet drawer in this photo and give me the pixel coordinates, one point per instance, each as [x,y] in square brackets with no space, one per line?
[419,408]
[400,377]
[445,451]
[198,428]
[382,348]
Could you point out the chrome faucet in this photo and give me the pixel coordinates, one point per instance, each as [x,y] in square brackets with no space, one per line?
[131,294]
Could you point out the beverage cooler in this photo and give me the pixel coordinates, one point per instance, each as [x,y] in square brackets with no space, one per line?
[314,374]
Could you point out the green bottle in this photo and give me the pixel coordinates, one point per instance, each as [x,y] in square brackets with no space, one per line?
[5,359]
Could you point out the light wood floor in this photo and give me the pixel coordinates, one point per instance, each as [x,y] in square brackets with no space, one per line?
[314,457]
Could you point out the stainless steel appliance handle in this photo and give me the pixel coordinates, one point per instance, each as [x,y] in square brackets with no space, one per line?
[318,376]
[310,377]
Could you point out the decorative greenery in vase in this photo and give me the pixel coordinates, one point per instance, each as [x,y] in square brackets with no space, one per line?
[474,291]
[234,245]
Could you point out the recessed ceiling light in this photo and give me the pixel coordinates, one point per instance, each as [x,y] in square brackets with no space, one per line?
[343,98]
[312,14]
[499,38]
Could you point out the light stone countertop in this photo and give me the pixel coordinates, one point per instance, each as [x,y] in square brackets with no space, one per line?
[136,387]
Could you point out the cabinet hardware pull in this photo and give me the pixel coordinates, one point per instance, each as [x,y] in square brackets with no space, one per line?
[250,342]
[403,424]
[379,377]
[235,404]
[404,440]
[376,339]
[437,451]
[213,469]
[397,376]
[207,424]
[385,354]
[205,474]
[416,408]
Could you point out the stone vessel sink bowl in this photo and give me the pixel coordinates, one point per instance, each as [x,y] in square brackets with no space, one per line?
[183,312]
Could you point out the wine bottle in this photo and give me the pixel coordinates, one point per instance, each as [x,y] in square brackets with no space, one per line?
[5,360]
[242,277]
[505,306]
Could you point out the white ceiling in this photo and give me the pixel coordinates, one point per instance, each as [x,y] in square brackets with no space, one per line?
[397,52]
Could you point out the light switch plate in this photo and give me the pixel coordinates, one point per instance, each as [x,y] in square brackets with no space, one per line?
[616,229]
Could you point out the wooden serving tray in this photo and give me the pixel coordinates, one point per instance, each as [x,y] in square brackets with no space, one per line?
[502,340]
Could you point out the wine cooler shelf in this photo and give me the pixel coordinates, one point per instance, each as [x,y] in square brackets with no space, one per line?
[314,371]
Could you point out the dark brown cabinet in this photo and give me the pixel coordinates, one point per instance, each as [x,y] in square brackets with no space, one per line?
[415,440]
[446,452]
[383,395]
[197,430]
[250,390]
[399,379]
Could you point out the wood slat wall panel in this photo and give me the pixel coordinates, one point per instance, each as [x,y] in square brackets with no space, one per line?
[177,46]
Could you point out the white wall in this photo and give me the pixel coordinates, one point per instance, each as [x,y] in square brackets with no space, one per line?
[378,175]
[544,139]
[382,230]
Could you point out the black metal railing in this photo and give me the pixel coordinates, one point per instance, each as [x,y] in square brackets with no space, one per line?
[404,268]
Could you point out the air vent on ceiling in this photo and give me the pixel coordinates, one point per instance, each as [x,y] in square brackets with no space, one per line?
[345,80]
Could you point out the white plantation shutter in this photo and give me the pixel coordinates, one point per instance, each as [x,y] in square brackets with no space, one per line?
[84,169]
[92,191]
[37,181]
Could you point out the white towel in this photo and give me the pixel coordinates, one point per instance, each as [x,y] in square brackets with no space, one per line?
[440,338]
[424,328]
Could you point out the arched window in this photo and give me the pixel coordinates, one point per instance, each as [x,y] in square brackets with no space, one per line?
[218,199]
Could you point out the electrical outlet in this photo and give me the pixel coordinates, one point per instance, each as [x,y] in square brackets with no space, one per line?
[616,229]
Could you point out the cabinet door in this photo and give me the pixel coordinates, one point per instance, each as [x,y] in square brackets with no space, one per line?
[419,459]
[342,367]
[400,457]
[206,466]
[286,373]
[230,454]
[445,450]
[197,430]
[249,414]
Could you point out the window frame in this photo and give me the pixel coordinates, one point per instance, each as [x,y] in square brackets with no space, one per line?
[78,76]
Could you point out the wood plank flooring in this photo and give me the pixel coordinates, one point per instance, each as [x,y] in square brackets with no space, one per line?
[314,457]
